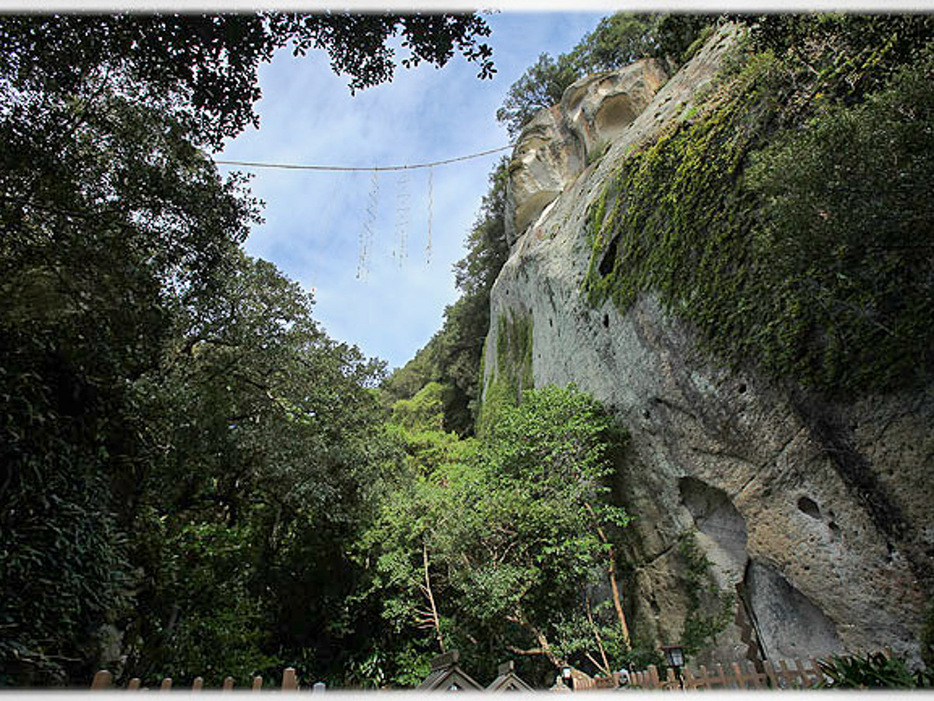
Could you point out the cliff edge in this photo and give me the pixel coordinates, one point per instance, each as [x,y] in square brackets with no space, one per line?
[768,520]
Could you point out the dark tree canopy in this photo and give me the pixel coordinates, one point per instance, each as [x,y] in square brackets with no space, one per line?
[205,66]
[178,440]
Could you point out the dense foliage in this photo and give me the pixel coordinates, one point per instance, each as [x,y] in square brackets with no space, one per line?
[494,546]
[204,68]
[180,446]
[874,671]
[264,427]
[788,216]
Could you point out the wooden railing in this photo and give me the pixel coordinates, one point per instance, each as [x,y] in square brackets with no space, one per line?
[804,675]
[104,680]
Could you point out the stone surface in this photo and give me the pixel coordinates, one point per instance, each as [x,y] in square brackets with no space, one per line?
[790,626]
[559,142]
[821,513]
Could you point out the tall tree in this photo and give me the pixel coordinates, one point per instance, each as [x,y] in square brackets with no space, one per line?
[117,232]
[265,429]
[492,545]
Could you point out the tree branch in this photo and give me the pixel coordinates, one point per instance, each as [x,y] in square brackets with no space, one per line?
[431,599]
[605,667]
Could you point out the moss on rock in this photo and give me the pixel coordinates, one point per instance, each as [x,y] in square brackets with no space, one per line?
[741,219]
[513,372]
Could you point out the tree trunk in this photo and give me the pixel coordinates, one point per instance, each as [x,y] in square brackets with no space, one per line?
[544,647]
[436,621]
[605,667]
[614,586]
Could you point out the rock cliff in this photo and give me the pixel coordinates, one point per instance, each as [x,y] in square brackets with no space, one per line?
[786,523]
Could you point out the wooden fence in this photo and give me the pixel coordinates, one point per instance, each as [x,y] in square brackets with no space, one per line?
[104,680]
[805,675]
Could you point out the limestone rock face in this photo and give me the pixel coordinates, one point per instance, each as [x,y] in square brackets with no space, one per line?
[559,142]
[814,519]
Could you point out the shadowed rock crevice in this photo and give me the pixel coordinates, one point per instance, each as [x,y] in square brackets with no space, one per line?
[789,625]
[852,467]
[716,516]
[609,258]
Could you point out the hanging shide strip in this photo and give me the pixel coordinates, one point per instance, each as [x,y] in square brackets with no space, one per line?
[431,173]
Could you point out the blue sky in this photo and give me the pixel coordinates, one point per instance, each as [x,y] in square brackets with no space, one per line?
[391,302]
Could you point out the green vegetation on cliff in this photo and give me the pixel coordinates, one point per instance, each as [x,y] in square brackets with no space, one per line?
[789,216]
[452,357]
[513,374]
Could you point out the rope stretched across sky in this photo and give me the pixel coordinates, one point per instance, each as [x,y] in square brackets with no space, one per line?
[370,169]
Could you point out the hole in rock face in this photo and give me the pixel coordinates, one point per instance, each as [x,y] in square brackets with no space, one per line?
[834,531]
[715,515]
[645,413]
[615,113]
[606,321]
[609,259]
[742,388]
[809,506]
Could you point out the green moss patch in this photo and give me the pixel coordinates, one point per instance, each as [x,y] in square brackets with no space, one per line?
[513,372]
[803,247]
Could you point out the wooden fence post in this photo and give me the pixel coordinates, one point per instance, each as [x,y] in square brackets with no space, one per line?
[810,678]
[802,673]
[815,676]
[721,676]
[771,675]
[257,683]
[102,680]
[228,684]
[166,684]
[760,679]
[289,680]
[704,677]
[787,673]
[197,684]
